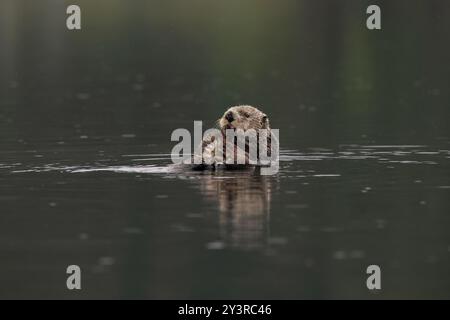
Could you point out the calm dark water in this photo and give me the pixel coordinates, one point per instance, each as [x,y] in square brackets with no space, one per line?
[85,125]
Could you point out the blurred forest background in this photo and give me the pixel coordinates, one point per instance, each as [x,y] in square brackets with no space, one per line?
[149,67]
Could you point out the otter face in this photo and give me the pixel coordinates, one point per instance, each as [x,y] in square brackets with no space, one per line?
[244,117]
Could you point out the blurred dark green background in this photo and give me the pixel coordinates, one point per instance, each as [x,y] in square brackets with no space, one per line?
[309,64]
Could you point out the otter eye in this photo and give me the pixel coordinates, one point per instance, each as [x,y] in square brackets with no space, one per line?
[264,118]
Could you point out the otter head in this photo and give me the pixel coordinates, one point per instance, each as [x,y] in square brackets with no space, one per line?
[244,117]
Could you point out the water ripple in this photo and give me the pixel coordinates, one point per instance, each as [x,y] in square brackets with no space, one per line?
[139,163]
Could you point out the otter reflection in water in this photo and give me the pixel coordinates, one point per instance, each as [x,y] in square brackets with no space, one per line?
[243,201]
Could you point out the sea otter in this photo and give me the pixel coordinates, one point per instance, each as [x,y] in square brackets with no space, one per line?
[254,127]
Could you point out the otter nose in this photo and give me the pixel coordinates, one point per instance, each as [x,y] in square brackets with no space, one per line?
[229,116]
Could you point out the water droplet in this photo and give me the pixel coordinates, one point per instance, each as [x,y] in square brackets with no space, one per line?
[381,224]
[357,254]
[83,96]
[83,236]
[106,261]
[215,245]
[303,229]
[339,255]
